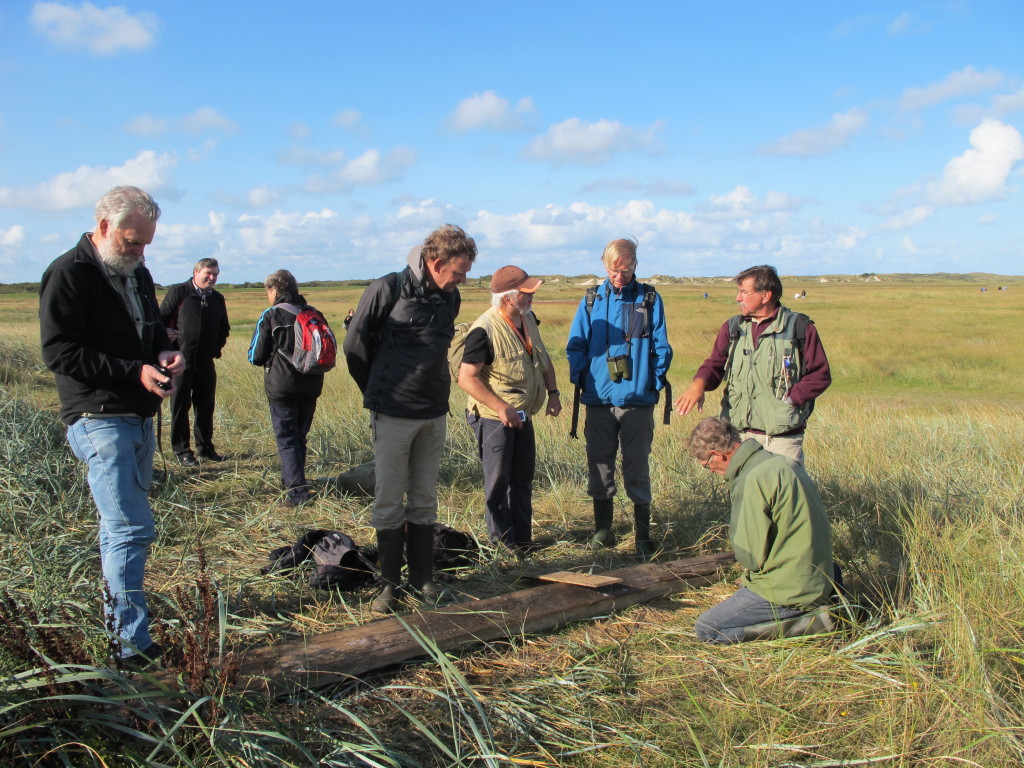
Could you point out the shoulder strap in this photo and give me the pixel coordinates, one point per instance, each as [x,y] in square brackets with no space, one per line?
[734,337]
[650,293]
[591,297]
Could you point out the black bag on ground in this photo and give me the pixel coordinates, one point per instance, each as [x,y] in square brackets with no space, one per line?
[453,549]
[339,563]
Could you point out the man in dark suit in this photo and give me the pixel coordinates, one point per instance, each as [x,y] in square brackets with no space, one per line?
[197,321]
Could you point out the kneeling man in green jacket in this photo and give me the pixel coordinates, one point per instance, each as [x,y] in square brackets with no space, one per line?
[781,535]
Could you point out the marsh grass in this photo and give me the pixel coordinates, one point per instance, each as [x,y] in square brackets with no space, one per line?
[917,449]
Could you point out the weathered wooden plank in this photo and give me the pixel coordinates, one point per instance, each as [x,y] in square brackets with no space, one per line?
[580,579]
[331,657]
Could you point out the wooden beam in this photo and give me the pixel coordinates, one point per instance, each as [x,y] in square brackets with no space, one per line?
[331,657]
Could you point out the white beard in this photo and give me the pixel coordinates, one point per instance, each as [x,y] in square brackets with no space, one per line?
[122,264]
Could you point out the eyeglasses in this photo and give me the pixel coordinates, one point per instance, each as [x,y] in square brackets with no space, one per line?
[707,460]
[744,294]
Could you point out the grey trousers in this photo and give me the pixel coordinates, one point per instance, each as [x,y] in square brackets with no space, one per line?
[609,430]
[407,456]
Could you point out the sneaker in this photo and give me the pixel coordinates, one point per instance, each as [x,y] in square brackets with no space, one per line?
[188,460]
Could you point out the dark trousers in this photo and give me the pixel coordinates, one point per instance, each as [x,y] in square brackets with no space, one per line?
[196,390]
[509,457]
[292,420]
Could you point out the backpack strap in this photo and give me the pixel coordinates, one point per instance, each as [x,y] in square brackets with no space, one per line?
[591,297]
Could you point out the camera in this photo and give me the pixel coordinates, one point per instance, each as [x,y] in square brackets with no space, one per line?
[620,367]
[164,385]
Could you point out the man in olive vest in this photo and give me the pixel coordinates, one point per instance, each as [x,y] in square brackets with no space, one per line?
[773,365]
[507,373]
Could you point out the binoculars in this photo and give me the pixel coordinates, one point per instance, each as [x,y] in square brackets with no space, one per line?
[620,367]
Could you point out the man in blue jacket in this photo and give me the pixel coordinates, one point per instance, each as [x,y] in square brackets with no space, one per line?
[619,355]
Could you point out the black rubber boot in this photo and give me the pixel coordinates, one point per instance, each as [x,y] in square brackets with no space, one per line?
[390,547]
[604,509]
[642,532]
[419,545]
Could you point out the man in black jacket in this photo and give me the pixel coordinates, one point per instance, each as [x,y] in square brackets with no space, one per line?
[102,337]
[197,321]
[397,352]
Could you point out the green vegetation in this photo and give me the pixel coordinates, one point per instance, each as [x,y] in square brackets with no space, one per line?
[918,448]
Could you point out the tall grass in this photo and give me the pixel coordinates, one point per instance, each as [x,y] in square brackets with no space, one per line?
[917,448]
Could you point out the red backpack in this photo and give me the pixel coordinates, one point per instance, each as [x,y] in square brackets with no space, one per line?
[315,350]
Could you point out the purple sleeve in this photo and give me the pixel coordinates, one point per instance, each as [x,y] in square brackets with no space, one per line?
[817,375]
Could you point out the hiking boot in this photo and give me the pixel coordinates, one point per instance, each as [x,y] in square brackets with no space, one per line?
[419,550]
[390,545]
[211,454]
[645,548]
[604,510]
[188,460]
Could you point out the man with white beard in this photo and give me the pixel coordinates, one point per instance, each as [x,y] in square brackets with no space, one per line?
[102,336]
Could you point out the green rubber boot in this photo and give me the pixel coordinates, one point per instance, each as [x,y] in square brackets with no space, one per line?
[604,509]
[390,547]
[419,545]
[642,532]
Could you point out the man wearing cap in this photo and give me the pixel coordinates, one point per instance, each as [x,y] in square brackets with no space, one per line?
[508,376]
[619,356]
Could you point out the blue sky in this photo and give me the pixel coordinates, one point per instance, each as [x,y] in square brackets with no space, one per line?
[329,137]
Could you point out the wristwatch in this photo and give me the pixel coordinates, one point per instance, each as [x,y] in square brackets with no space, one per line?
[554,392]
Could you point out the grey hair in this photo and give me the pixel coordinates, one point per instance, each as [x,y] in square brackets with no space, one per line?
[208,263]
[497,297]
[281,282]
[120,202]
[712,434]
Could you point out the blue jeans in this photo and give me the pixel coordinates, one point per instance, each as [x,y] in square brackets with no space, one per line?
[119,454]
[727,621]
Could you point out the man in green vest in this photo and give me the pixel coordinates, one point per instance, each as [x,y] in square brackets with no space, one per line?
[773,365]
[781,534]
[508,376]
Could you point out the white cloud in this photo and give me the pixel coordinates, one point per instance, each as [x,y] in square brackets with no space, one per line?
[900,24]
[13,236]
[965,82]
[202,121]
[820,141]
[742,202]
[988,218]
[980,174]
[850,239]
[491,112]
[302,156]
[578,141]
[299,131]
[100,31]
[1002,104]
[352,121]
[909,218]
[86,184]
[908,244]
[371,168]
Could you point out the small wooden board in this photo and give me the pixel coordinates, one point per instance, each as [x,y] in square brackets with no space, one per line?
[580,579]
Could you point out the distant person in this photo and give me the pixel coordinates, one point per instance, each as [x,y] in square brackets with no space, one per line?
[103,339]
[619,356]
[773,365]
[705,294]
[397,352]
[803,294]
[781,535]
[508,375]
[348,318]
[291,393]
[196,319]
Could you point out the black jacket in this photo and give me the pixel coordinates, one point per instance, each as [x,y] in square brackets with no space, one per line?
[399,356]
[89,338]
[204,329]
[271,346]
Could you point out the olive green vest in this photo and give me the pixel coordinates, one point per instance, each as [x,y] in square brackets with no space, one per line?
[759,378]
[514,376]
